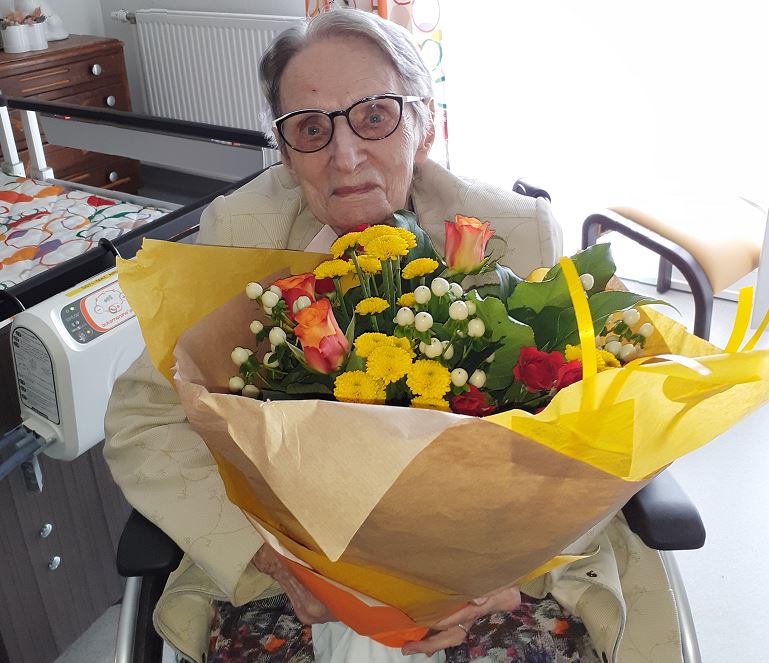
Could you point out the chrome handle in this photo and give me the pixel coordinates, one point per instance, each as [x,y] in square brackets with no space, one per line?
[54,563]
[113,176]
[45,531]
[110,101]
[96,70]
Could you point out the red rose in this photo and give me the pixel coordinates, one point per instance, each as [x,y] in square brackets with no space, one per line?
[324,286]
[472,403]
[569,373]
[537,370]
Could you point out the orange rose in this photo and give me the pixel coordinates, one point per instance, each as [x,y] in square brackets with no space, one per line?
[294,287]
[466,240]
[325,346]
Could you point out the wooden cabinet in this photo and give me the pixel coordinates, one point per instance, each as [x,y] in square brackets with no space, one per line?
[82,70]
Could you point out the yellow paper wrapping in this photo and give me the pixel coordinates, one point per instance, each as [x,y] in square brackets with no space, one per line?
[414,509]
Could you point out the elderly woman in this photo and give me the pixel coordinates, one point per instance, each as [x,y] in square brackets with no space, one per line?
[353,106]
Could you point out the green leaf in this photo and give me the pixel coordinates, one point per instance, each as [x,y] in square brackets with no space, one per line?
[355,363]
[553,291]
[602,305]
[424,249]
[297,353]
[350,333]
[508,281]
[512,333]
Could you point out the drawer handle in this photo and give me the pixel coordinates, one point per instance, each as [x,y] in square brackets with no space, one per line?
[96,70]
[110,101]
[113,176]
[45,530]
[54,563]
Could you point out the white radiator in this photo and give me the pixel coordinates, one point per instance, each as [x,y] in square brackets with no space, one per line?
[203,66]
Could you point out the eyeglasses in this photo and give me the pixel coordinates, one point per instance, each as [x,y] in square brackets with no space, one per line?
[370,118]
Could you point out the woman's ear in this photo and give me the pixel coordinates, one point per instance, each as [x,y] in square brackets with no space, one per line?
[423,149]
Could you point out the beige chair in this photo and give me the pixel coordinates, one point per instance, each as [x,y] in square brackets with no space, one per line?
[713,245]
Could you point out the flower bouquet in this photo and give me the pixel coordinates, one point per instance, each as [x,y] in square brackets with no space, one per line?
[395,516]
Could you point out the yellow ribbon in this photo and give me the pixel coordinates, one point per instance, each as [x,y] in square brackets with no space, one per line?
[741,320]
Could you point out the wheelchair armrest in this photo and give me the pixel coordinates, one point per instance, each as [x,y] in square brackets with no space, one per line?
[664,516]
[526,188]
[144,549]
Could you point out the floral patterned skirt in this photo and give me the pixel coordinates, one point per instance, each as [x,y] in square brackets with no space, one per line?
[540,631]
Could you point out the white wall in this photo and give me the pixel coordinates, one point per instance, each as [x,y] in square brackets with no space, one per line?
[81,17]
[127,33]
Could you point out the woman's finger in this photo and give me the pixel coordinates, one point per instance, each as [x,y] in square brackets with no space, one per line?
[449,638]
[466,615]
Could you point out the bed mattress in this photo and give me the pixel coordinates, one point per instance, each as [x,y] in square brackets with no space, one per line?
[43,224]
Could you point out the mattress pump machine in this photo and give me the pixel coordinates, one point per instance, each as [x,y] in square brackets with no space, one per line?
[72,330]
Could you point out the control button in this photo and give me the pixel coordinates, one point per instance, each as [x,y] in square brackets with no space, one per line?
[46,530]
[54,563]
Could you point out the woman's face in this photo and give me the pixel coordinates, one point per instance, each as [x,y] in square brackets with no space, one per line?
[351,180]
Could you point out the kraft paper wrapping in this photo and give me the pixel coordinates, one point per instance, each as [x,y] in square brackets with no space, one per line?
[422,510]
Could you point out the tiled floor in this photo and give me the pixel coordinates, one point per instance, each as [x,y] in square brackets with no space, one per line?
[724,580]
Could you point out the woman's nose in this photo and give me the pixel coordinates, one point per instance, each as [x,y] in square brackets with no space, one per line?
[348,149]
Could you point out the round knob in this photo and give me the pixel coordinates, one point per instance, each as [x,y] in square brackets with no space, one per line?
[46,530]
[54,563]
[112,177]
[110,101]
[96,70]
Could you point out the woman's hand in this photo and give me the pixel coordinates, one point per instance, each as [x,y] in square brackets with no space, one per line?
[308,609]
[451,634]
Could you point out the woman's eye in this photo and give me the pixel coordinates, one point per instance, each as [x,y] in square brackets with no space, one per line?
[375,118]
[312,130]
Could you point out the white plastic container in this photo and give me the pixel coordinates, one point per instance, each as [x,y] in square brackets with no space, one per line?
[16,38]
[36,36]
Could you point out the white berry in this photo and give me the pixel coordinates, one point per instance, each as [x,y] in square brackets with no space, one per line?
[236,384]
[627,352]
[476,328]
[276,290]
[459,377]
[404,317]
[240,356]
[269,299]
[631,317]
[458,311]
[470,306]
[614,347]
[422,347]
[439,287]
[251,391]
[423,321]
[646,329]
[478,378]
[587,281]
[254,290]
[422,294]
[456,290]
[435,349]
[448,351]
[301,303]
[267,310]
[256,327]
[490,358]
[277,336]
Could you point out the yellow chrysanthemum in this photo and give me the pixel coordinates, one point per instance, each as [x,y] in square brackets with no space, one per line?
[373,232]
[404,343]
[365,343]
[429,403]
[428,378]
[343,243]
[359,387]
[407,299]
[371,306]
[386,247]
[409,237]
[369,264]
[333,268]
[388,363]
[603,358]
[419,267]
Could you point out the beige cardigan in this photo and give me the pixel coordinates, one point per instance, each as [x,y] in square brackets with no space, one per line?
[167,473]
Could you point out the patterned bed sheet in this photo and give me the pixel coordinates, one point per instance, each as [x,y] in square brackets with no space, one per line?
[42,225]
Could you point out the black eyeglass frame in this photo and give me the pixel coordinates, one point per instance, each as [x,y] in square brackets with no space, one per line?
[331,115]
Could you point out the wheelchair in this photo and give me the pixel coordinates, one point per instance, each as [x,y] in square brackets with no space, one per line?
[661,514]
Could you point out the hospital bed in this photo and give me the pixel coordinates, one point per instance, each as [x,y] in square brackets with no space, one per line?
[70,319]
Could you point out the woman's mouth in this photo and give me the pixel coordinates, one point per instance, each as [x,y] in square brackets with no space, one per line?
[344,191]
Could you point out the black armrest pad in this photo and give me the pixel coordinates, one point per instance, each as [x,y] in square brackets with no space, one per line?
[664,517]
[526,188]
[144,549]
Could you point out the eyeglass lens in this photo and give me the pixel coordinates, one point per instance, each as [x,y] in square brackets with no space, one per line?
[372,120]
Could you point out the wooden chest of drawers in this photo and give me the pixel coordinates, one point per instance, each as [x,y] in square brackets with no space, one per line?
[83,70]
